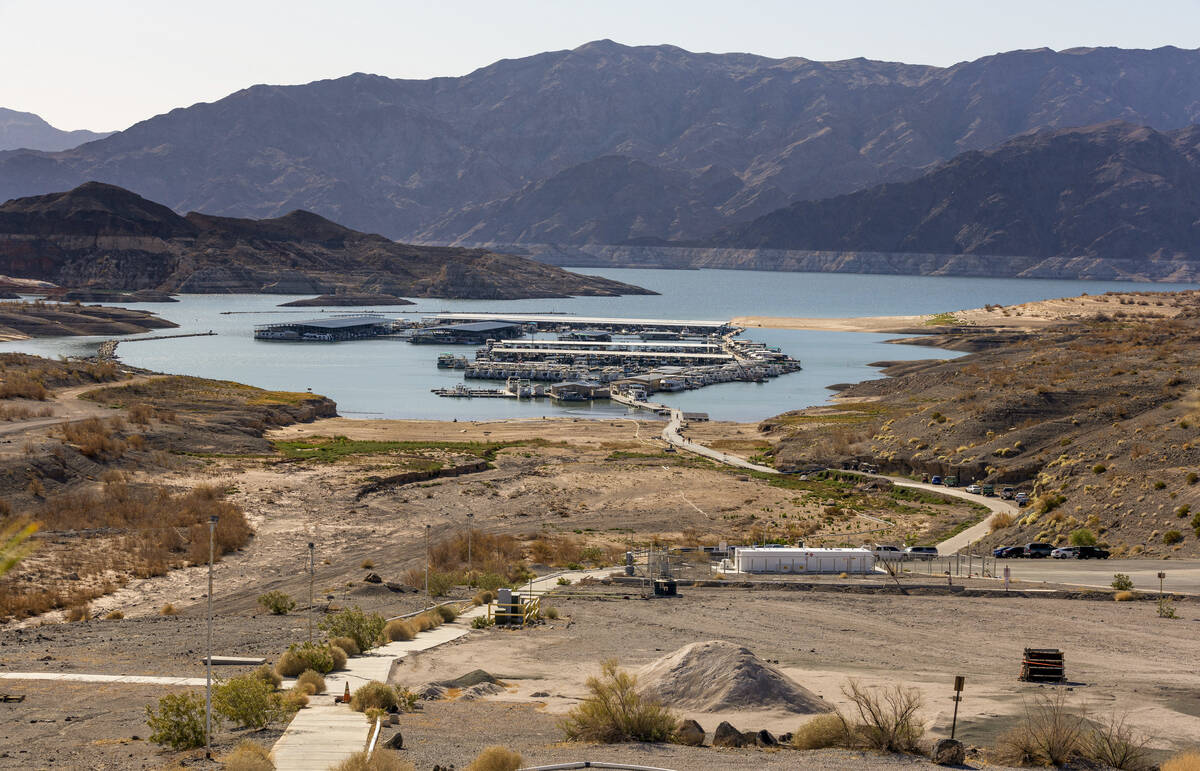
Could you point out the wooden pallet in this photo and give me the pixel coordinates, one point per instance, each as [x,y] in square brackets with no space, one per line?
[1043,665]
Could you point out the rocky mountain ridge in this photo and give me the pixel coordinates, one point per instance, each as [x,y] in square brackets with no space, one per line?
[26,130]
[100,236]
[703,140]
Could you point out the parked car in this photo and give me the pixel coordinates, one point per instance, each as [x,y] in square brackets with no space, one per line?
[950,481]
[935,481]
[974,489]
[1009,552]
[921,552]
[1065,553]
[885,551]
[1038,550]
[1091,553]
[988,490]
[1021,499]
[1007,493]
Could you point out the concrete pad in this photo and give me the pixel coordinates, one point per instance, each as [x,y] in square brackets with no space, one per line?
[77,677]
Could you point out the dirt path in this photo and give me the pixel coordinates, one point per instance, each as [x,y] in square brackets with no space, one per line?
[68,407]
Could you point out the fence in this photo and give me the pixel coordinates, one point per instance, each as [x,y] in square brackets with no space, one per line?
[528,611]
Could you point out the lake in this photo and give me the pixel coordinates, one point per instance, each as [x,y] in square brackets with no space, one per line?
[392,379]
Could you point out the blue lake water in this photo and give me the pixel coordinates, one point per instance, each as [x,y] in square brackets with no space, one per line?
[392,379]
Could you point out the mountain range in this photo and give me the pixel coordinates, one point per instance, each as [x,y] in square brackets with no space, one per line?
[605,143]
[99,236]
[26,130]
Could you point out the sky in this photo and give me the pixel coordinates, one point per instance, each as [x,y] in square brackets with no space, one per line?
[106,64]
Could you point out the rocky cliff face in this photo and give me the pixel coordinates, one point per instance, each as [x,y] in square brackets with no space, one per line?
[1100,201]
[103,237]
[704,140]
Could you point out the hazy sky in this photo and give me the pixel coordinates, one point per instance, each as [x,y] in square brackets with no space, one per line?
[105,64]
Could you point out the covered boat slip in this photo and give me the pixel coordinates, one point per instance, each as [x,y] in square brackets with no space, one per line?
[766,559]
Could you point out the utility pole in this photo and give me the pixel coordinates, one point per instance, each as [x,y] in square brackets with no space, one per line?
[212,527]
[427,565]
[470,522]
[311,571]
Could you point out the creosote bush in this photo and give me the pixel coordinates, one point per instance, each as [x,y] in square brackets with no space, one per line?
[482,622]
[178,721]
[295,700]
[1121,581]
[301,656]
[447,612]
[347,644]
[399,629]
[279,603]
[246,701]
[614,711]
[339,657]
[268,675]
[823,731]
[168,610]
[366,629]
[373,694]
[496,758]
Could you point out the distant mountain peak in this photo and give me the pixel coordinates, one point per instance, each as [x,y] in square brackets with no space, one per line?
[25,130]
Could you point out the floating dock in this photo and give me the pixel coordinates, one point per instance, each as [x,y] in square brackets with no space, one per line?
[564,322]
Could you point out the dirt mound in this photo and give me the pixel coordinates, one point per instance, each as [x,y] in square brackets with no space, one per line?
[718,675]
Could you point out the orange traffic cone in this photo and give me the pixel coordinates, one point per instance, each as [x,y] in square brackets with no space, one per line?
[346,695]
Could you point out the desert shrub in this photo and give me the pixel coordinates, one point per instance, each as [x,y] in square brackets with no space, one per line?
[374,714]
[440,583]
[1172,537]
[490,582]
[447,612]
[178,721]
[373,694]
[339,657]
[482,622]
[406,700]
[1192,477]
[1159,484]
[82,612]
[399,629]
[345,643]
[279,603]
[1124,596]
[1116,745]
[168,610]
[823,731]
[20,385]
[426,621]
[615,711]
[246,701]
[496,758]
[1099,468]
[268,676]
[1166,608]
[364,628]
[294,700]
[1121,581]
[114,615]
[313,678]
[301,656]
[888,716]
[368,565]
[1049,734]
[1184,761]
[563,581]
[484,597]
[248,756]
[1000,520]
[550,612]
[380,760]
[1082,537]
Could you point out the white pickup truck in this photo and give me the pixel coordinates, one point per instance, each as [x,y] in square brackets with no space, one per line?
[885,551]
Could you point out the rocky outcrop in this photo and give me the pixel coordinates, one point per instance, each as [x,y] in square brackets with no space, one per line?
[721,138]
[101,237]
[344,300]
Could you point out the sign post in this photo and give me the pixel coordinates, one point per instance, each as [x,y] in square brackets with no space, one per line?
[1007,576]
[958,687]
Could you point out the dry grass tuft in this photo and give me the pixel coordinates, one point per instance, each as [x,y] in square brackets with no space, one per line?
[311,677]
[1184,761]
[347,644]
[168,610]
[399,629]
[1125,596]
[381,760]
[823,731]
[496,758]
[373,694]
[248,756]
[1000,520]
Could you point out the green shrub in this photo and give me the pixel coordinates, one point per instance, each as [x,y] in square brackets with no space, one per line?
[482,622]
[365,629]
[490,582]
[563,581]
[302,656]
[399,629]
[1121,582]
[1082,537]
[1159,484]
[380,760]
[246,701]
[1172,537]
[1192,477]
[373,694]
[374,713]
[1099,468]
[248,756]
[440,583]
[347,644]
[1195,522]
[496,758]
[277,602]
[615,712]
[313,678]
[823,731]
[268,676]
[178,722]
[1166,608]
[447,612]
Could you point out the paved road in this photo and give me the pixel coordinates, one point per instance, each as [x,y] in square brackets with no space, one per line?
[1182,575]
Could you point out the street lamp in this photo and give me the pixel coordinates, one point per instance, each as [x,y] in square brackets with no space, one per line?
[212,527]
[311,570]
[427,565]
[470,520]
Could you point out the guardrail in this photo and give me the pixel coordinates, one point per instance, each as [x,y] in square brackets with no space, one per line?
[528,611]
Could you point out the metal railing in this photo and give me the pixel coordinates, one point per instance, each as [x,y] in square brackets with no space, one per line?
[528,611]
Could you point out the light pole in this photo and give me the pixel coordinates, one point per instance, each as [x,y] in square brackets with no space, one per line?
[311,570]
[470,521]
[212,527]
[430,599]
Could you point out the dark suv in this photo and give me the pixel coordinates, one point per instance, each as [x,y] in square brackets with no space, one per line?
[1091,553]
[1038,550]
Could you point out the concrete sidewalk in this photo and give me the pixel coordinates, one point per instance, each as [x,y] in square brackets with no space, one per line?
[77,677]
[324,734]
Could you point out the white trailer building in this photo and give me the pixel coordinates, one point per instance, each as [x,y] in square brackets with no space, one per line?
[767,559]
